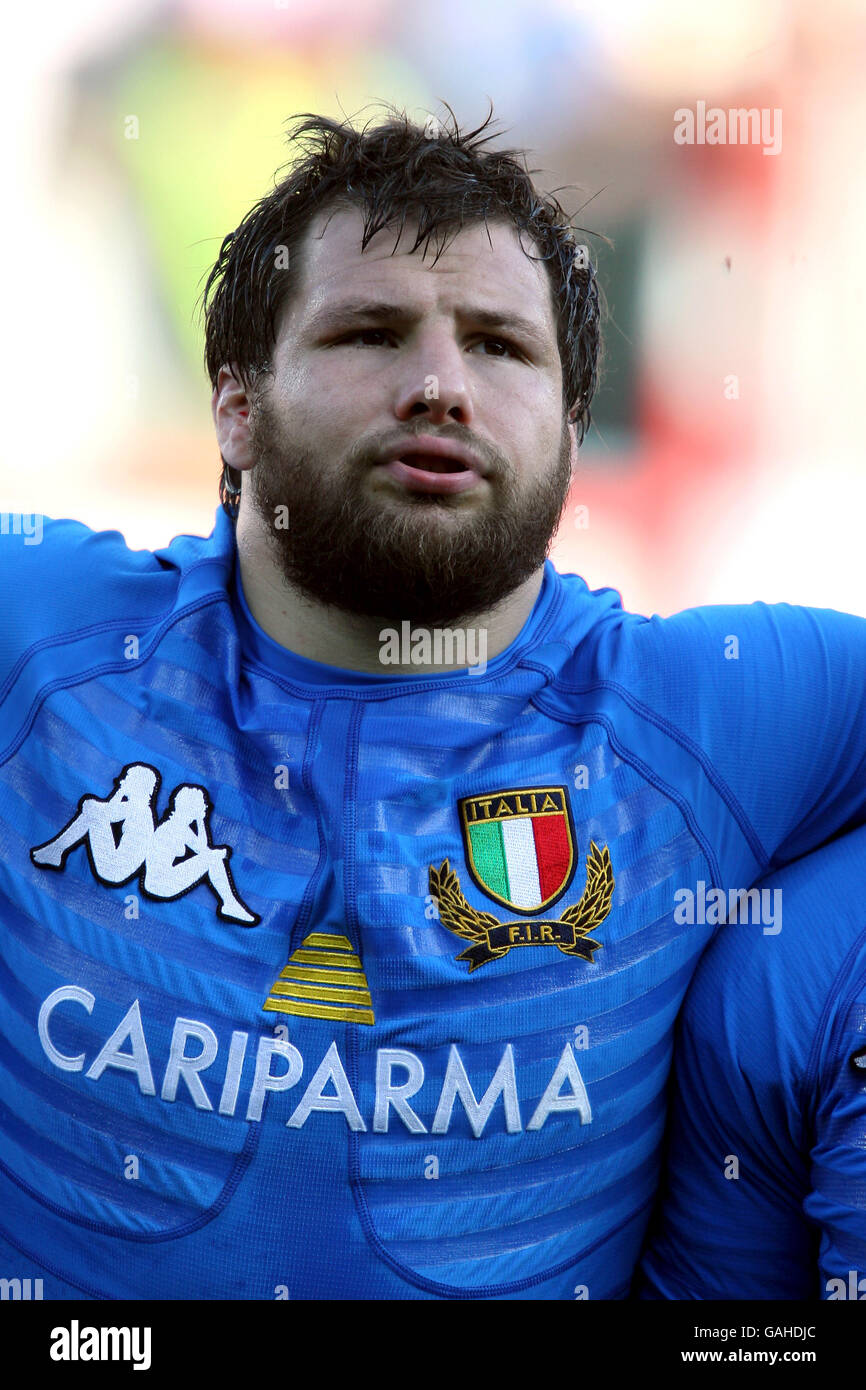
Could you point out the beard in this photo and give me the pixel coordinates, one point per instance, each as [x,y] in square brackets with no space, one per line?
[417,556]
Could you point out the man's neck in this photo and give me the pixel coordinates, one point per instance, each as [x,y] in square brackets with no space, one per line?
[354,642]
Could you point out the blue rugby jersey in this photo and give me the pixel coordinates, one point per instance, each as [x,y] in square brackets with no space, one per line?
[770,1070]
[318,984]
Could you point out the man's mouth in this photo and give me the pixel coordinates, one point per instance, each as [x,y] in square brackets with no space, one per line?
[429,463]
[432,473]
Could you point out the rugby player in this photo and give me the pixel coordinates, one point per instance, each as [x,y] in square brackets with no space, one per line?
[340,960]
[765,1189]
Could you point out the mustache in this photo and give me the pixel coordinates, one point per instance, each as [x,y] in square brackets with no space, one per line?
[367,453]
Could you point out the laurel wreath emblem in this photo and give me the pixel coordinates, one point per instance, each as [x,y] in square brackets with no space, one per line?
[580,919]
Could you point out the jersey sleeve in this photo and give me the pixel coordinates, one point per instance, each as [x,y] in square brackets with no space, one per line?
[60,581]
[837,1200]
[772,698]
[734,1219]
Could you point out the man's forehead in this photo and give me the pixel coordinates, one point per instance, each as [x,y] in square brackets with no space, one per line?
[487,259]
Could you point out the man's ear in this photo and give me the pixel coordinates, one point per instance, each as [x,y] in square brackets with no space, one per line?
[572,434]
[230,408]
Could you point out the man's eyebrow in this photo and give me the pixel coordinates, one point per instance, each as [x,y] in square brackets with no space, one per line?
[381,311]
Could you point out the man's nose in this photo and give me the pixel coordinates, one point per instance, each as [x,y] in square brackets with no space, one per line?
[435,378]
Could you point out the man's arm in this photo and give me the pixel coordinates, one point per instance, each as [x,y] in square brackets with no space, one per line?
[772,697]
[752,1073]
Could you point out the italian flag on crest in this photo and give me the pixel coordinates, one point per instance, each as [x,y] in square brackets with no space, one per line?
[520,846]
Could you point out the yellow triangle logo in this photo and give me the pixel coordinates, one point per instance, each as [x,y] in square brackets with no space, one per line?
[323,979]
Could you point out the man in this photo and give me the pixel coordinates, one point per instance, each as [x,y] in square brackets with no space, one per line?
[765,1190]
[336,964]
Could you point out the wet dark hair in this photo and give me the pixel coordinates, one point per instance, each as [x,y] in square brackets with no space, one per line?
[433,173]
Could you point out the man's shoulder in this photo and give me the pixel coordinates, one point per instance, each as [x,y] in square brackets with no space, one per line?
[717,675]
[598,622]
[668,664]
[62,577]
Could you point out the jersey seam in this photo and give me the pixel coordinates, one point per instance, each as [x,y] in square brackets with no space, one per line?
[421,1281]
[241,1163]
[50,1269]
[648,774]
[61,639]
[688,746]
[349,802]
[812,1077]
[312,888]
[91,672]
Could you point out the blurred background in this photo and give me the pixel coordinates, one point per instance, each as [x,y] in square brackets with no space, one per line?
[726,461]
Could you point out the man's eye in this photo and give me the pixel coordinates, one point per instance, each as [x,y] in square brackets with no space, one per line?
[381,333]
[501,342]
[361,333]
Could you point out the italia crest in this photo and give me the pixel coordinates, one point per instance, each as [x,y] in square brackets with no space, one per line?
[521,851]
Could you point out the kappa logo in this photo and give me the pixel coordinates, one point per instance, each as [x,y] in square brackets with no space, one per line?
[521,851]
[124,841]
